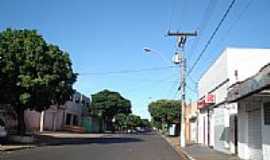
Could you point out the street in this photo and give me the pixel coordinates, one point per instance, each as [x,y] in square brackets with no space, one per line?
[111,147]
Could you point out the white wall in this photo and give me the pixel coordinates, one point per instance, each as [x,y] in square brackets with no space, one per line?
[247,61]
[250,130]
[242,131]
[265,138]
[203,128]
[216,74]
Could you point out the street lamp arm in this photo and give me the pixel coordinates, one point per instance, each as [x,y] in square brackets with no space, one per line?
[149,50]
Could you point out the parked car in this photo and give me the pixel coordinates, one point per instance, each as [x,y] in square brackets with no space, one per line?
[3,131]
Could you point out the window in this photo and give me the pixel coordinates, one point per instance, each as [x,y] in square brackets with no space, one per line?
[75,120]
[77,99]
[68,119]
[266,110]
[83,102]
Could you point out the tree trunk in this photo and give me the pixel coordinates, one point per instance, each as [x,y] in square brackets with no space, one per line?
[21,123]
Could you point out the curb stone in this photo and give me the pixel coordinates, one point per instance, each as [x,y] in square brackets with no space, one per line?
[5,149]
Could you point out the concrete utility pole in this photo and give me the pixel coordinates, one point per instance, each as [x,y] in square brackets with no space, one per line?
[181,60]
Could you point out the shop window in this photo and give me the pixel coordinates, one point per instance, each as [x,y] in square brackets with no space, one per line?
[267,114]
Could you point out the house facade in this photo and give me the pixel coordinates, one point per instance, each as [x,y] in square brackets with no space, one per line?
[218,123]
[59,117]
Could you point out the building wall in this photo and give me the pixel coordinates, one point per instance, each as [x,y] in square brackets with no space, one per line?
[216,74]
[250,130]
[203,128]
[265,136]
[242,131]
[246,61]
[32,120]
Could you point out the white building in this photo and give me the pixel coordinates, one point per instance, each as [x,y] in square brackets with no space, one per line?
[253,98]
[59,118]
[218,120]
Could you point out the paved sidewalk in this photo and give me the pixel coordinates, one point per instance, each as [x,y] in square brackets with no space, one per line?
[198,152]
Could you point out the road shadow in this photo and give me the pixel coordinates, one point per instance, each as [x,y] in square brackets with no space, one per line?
[44,140]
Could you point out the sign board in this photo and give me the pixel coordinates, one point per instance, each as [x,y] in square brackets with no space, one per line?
[210,99]
[206,101]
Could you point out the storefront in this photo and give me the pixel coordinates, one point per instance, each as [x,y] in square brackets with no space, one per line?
[253,98]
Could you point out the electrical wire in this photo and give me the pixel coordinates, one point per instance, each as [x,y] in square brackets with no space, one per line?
[209,41]
[128,71]
[212,37]
[237,19]
[204,22]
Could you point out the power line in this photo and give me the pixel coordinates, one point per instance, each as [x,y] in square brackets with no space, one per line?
[204,22]
[191,89]
[237,19]
[228,31]
[172,86]
[128,71]
[192,80]
[211,37]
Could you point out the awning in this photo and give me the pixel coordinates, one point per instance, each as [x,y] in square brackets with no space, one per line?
[250,86]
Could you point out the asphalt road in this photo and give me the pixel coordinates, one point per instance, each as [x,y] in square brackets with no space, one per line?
[112,147]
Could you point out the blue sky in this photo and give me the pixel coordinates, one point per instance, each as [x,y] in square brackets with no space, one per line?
[103,36]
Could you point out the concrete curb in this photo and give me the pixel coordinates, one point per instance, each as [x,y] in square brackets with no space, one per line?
[15,148]
[181,151]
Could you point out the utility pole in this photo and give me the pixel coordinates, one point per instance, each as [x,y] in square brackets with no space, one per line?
[181,60]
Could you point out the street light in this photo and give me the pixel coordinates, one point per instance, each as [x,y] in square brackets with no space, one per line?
[149,50]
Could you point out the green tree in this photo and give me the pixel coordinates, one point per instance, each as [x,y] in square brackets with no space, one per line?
[106,104]
[133,121]
[145,123]
[164,112]
[121,121]
[33,74]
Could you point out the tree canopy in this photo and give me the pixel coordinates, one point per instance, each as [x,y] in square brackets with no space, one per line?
[164,112]
[33,73]
[133,121]
[106,104]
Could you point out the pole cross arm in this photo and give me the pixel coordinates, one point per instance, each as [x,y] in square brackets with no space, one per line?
[182,33]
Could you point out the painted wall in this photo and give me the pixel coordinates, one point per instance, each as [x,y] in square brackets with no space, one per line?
[242,131]
[265,136]
[203,128]
[250,136]
[31,119]
[246,61]
[216,74]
